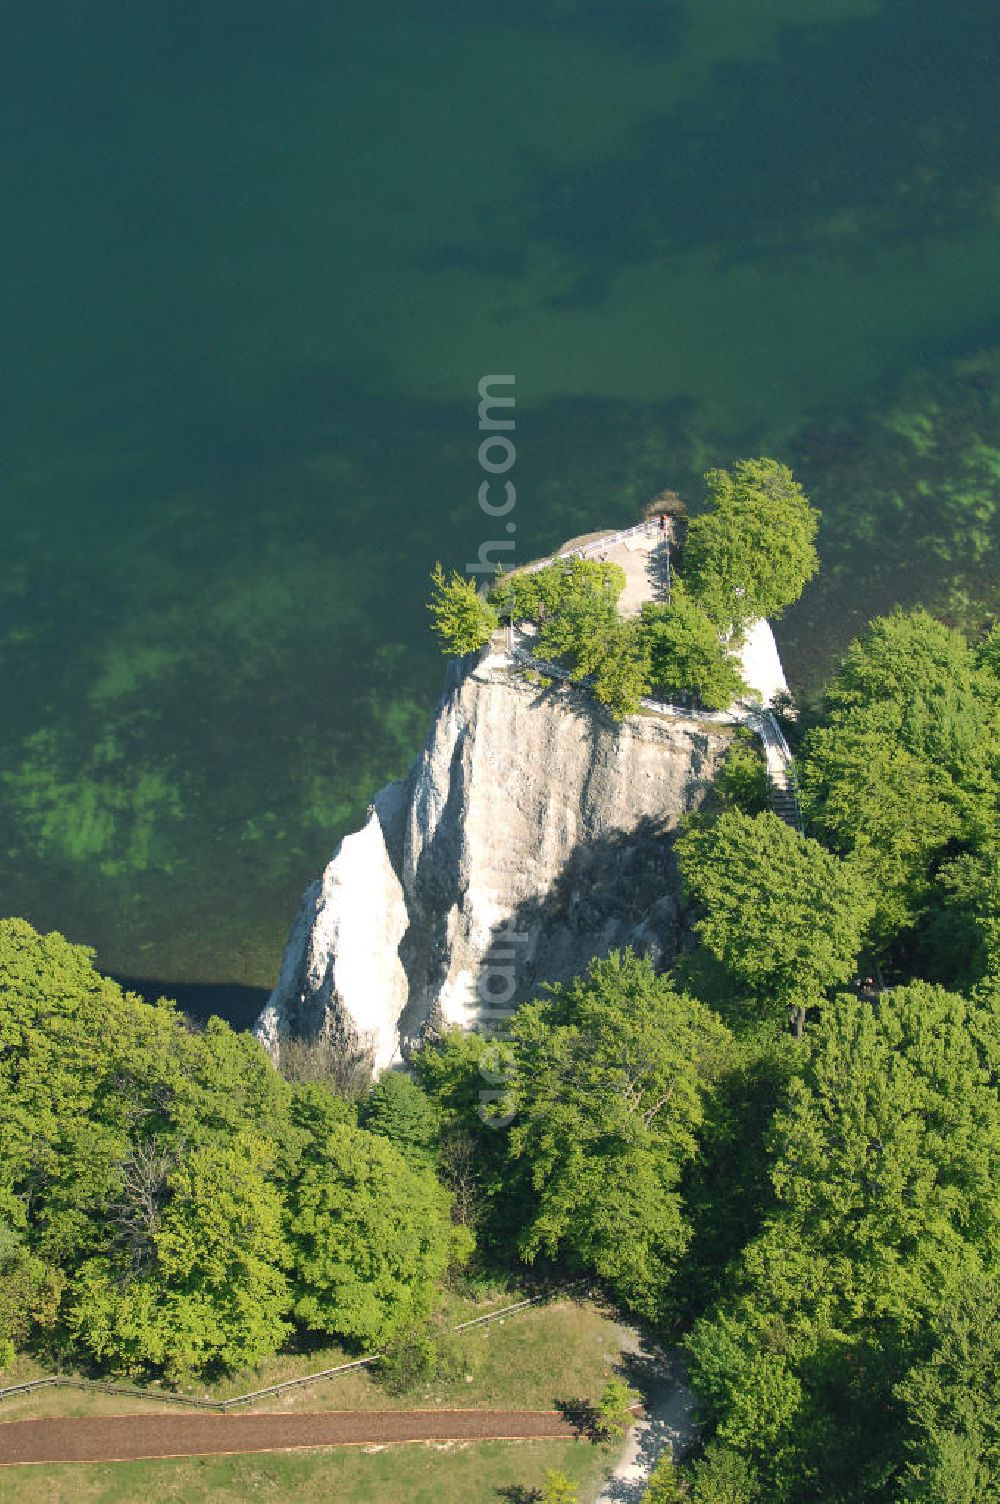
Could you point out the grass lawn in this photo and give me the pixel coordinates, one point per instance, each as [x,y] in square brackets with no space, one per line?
[480,1473]
[559,1351]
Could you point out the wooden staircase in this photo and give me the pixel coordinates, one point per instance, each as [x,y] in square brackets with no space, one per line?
[784,802]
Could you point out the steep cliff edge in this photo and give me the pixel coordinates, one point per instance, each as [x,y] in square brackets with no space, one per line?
[530,834]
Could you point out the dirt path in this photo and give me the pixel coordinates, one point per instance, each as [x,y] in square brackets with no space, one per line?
[118,1438]
[669,1419]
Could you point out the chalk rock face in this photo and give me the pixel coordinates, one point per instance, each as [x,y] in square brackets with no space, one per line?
[341,977]
[531,834]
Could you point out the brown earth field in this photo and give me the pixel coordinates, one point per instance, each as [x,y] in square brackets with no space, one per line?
[131,1437]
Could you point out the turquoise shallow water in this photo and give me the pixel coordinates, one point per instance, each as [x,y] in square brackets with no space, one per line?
[255,260]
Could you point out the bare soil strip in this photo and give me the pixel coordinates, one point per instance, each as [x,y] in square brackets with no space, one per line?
[121,1438]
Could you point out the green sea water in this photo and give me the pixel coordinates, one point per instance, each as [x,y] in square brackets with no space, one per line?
[255,259]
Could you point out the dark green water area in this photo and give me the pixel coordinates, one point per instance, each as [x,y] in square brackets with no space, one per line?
[256,257]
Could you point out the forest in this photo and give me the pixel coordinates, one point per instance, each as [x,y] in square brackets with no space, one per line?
[783,1152]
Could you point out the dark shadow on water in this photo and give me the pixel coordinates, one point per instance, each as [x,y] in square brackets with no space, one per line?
[877,129]
[237,1004]
[649,28]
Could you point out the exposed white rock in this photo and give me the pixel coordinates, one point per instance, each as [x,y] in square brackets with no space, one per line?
[760,664]
[341,976]
[531,834]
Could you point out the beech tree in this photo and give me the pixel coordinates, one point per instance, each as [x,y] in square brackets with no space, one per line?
[886,1167]
[89,1074]
[609,1076]
[29,1294]
[370,1236]
[213,1291]
[784,916]
[988,654]
[902,774]
[566,584]
[614,1408]
[929,672]
[719,1476]
[753,551]
[722,1476]
[583,611]
[398,1109]
[619,662]
[687,656]
[558,1489]
[665,1484]
[953,1402]
[890,810]
[574,602]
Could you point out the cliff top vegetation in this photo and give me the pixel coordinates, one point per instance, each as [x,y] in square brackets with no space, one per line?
[749,555]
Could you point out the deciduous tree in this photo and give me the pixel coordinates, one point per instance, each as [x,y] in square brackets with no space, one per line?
[752,552]
[783,915]
[609,1077]
[952,1400]
[462,619]
[371,1237]
[687,655]
[401,1111]
[213,1293]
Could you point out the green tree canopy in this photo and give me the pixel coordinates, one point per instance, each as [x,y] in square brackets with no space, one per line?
[398,1109]
[618,658]
[988,653]
[563,587]
[784,916]
[952,1399]
[208,1289]
[903,772]
[722,1476]
[936,701]
[665,1485]
[687,656]
[609,1076]
[752,552]
[151,1175]
[574,602]
[885,1175]
[371,1236]
[89,1075]
[462,619]
[894,812]
[29,1294]
[615,1408]
[558,1489]
[584,607]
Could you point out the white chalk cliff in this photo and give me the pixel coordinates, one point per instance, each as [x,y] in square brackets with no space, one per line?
[531,834]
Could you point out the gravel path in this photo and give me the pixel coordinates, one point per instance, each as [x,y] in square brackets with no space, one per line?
[668,1421]
[119,1438]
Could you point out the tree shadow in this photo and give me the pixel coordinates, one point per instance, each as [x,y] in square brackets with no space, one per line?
[668,1419]
[519,1493]
[615,886]
[658,570]
[582,1416]
[615,890]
